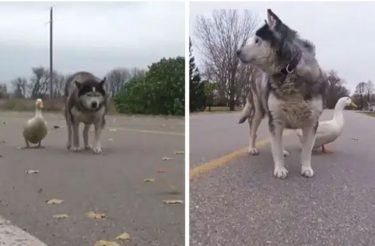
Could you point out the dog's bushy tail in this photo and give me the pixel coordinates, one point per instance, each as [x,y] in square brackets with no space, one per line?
[246,111]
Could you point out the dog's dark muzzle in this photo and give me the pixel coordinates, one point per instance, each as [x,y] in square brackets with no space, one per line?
[94,105]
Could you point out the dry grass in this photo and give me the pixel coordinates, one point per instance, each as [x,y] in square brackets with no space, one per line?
[221,109]
[370,114]
[21,104]
[24,105]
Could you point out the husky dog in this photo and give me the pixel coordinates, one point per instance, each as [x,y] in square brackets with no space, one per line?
[255,109]
[86,102]
[289,90]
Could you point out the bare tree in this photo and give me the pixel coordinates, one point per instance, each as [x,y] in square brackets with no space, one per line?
[364,94]
[59,84]
[116,78]
[20,86]
[136,72]
[3,91]
[219,38]
[39,82]
[369,90]
[335,90]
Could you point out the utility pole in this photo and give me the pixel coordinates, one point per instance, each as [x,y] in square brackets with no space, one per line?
[50,53]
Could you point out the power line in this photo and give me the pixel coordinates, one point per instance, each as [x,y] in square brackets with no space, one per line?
[51,52]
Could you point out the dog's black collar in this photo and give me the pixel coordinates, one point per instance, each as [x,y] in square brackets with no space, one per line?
[291,66]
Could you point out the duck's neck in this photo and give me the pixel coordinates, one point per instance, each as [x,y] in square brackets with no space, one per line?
[338,115]
[38,113]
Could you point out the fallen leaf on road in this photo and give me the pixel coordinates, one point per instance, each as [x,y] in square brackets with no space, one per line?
[166,158]
[355,139]
[179,152]
[31,171]
[173,201]
[54,201]
[124,236]
[94,215]
[60,216]
[162,170]
[56,127]
[112,129]
[149,180]
[106,243]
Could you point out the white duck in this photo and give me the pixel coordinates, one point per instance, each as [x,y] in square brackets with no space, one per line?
[35,128]
[328,131]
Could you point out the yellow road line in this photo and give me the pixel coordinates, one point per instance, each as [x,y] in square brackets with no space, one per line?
[224,160]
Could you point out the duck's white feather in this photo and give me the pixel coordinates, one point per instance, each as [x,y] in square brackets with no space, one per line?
[329,130]
[35,128]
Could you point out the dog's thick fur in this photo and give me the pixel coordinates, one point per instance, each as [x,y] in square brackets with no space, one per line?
[86,102]
[290,95]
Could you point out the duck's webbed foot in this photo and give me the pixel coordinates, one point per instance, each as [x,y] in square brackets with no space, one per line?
[325,150]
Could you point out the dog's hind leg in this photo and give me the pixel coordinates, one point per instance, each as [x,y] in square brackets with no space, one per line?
[86,136]
[277,150]
[98,130]
[308,139]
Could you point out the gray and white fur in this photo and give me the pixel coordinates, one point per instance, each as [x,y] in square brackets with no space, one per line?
[85,102]
[289,90]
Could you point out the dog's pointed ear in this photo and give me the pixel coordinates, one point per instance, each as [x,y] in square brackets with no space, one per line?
[273,20]
[102,82]
[77,84]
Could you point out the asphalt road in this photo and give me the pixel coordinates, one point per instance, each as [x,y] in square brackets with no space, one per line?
[110,183]
[241,203]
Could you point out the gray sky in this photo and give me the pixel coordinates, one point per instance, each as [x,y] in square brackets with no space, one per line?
[88,36]
[343,32]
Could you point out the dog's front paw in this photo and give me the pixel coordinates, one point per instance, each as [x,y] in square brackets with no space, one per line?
[97,149]
[286,153]
[68,146]
[253,151]
[76,149]
[307,172]
[280,172]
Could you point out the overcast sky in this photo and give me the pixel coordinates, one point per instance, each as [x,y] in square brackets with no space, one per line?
[343,32]
[88,36]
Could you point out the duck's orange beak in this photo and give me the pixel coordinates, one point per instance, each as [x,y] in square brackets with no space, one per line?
[40,104]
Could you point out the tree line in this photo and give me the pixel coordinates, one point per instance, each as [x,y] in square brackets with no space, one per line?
[222,80]
[38,85]
[159,89]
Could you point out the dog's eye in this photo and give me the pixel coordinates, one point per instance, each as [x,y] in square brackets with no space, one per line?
[257,40]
